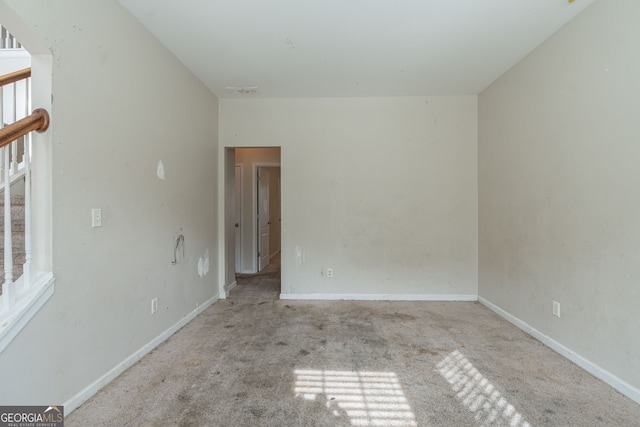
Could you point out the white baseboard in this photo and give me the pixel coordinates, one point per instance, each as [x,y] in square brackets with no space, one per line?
[623,387]
[94,387]
[230,286]
[380,297]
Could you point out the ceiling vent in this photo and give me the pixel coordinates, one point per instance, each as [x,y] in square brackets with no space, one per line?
[244,90]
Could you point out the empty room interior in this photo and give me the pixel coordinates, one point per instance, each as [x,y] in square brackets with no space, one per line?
[330,213]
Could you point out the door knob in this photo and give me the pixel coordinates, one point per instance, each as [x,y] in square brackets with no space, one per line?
[237,225]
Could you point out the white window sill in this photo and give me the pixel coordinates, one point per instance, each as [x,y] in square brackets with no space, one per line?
[28,303]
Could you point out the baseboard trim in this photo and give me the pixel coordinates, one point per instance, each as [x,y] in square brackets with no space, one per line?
[230,286]
[380,297]
[623,387]
[86,393]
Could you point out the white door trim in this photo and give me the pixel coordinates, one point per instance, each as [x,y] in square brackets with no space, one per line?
[254,207]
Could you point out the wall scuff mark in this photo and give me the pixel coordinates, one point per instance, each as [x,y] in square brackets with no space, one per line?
[178,249]
[300,256]
[160,170]
[203,264]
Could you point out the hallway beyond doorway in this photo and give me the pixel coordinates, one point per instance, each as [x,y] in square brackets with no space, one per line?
[264,285]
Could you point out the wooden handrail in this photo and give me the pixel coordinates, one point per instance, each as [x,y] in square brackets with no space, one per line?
[15,76]
[38,121]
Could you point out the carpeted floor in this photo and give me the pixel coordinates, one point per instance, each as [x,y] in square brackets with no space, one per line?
[253,360]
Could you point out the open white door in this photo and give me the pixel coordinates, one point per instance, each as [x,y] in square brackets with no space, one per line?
[238,218]
[263,218]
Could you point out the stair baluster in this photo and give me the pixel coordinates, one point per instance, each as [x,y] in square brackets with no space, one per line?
[28,265]
[14,144]
[5,39]
[8,287]
[27,270]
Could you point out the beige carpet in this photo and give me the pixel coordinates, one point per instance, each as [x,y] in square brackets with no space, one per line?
[255,361]
[17,233]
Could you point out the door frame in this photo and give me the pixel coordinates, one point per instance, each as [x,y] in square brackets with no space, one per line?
[226,236]
[239,201]
[254,208]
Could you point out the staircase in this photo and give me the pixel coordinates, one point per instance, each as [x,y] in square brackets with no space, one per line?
[17,232]
[29,288]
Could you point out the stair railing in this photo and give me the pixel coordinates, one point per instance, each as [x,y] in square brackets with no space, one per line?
[8,40]
[9,136]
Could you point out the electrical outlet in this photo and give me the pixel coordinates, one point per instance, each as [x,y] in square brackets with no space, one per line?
[96,218]
[329,272]
[556,308]
[154,305]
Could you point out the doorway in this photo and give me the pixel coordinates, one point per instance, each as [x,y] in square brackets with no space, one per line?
[254,209]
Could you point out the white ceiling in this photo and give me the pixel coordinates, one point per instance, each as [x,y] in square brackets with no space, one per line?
[335,48]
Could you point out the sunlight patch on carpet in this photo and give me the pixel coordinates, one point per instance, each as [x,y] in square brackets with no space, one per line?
[477,394]
[367,398]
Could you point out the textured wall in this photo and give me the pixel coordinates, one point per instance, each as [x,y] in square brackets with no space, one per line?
[382,190]
[559,200]
[122,103]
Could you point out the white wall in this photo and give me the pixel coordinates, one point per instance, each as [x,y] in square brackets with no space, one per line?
[559,201]
[274,210]
[13,60]
[226,209]
[382,190]
[122,102]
